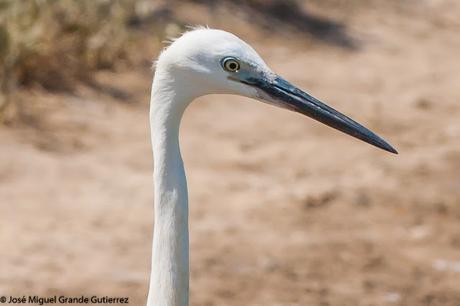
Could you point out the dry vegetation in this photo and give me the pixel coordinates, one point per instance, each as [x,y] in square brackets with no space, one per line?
[53,43]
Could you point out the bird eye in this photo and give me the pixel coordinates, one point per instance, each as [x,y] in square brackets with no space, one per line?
[230,64]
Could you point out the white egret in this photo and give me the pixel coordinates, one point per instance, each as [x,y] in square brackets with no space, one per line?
[200,62]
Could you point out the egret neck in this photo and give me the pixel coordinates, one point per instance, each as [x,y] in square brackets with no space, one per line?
[169,280]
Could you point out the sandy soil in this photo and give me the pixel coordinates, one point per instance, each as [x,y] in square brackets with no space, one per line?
[284,211]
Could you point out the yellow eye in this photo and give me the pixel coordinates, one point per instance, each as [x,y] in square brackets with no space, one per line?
[230,64]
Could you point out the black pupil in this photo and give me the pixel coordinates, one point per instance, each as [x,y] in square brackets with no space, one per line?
[232,65]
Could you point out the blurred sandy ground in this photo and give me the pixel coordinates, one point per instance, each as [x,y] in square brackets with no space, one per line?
[284,211]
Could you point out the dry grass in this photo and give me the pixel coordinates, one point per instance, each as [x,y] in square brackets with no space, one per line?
[52,43]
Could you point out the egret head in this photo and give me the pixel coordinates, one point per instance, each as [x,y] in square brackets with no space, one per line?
[207,61]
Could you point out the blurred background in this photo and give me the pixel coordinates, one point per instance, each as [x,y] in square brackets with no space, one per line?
[284,211]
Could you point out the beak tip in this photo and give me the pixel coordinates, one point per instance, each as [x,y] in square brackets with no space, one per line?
[387,147]
[394,151]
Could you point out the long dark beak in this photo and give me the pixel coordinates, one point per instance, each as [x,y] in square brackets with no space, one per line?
[284,94]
